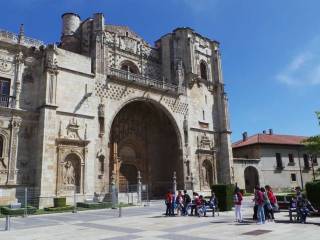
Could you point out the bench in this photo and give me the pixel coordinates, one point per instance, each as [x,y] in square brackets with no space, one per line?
[201,211]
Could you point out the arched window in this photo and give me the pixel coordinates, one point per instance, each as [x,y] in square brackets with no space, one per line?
[129,67]
[1,146]
[203,70]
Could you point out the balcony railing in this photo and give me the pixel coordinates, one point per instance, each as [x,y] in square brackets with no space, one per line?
[144,81]
[6,101]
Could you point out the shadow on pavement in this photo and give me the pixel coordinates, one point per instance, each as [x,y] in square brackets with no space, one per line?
[289,222]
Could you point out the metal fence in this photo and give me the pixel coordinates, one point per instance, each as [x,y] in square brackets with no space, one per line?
[22,197]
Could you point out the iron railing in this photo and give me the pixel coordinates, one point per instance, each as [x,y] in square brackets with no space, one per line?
[144,80]
[6,101]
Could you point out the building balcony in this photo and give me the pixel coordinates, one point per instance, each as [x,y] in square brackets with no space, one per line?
[144,81]
[7,101]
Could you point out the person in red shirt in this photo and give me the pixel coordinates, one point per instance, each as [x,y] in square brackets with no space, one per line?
[169,203]
[260,203]
[273,200]
[237,200]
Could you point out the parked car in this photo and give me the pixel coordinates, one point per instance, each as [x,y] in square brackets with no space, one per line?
[284,201]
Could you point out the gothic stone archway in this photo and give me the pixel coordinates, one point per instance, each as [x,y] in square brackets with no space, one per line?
[251,178]
[147,139]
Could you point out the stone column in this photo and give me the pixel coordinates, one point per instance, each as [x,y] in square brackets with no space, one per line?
[174,183]
[139,187]
[18,78]
[15,123]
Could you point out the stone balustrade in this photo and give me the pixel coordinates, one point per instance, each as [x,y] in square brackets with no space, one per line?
[144,81]
[14,38]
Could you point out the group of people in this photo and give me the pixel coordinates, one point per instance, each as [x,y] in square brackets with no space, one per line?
[183,205]
[265,204]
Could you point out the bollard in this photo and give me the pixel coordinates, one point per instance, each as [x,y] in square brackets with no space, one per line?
[25,202]
[74,202]
[120,210]
[7,227]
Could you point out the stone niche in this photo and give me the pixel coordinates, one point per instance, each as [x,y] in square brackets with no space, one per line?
[72,154]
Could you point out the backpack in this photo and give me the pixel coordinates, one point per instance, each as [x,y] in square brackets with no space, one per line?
[187,198]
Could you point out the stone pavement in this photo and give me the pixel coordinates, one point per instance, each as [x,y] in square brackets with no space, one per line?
[149,223]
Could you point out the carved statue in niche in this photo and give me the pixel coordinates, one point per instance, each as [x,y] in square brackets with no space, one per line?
[69,174]
[180,73]
[207,173]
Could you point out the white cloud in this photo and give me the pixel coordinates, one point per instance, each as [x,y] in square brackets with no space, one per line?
[303,69]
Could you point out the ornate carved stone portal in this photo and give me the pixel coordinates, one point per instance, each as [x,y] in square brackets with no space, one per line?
[147,142]
[72,154]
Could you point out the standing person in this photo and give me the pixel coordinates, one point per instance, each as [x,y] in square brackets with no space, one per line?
[273,201]
[237,201]
[213,203]
[179,202]
[186,202]
[267,205]
[194,203]
[260,203]
[168,201]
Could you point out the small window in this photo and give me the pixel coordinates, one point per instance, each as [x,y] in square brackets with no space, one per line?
[279,161]
[203,70]
[101,125]
[306,161]
[293,177]
[205,99]
[291,158]
[4,92]
[203,115]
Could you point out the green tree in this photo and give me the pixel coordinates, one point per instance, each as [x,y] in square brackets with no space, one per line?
[312,145]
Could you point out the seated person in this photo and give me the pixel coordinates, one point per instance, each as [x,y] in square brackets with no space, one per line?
[302,210]
[213,203]
[201,205]
[194,203]
[292,207]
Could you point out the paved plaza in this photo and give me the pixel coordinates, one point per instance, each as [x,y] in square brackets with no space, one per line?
[150,223]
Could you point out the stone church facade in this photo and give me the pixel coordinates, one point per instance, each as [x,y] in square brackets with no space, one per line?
[103,105]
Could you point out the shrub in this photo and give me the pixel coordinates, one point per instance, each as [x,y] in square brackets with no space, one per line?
[59,202]
[94,205]
[59,209]
[17,211]
[313,193]
[224,194]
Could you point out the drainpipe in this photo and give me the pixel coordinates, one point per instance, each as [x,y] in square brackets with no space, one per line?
[300,169]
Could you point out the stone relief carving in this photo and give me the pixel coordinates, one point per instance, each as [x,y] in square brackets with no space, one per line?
[101,110]
[176,105]
[113,91]
[205,142]
[6,64]
[73,130]
[69,174]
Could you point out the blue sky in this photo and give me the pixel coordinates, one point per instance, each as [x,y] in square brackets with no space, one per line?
[270,49]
